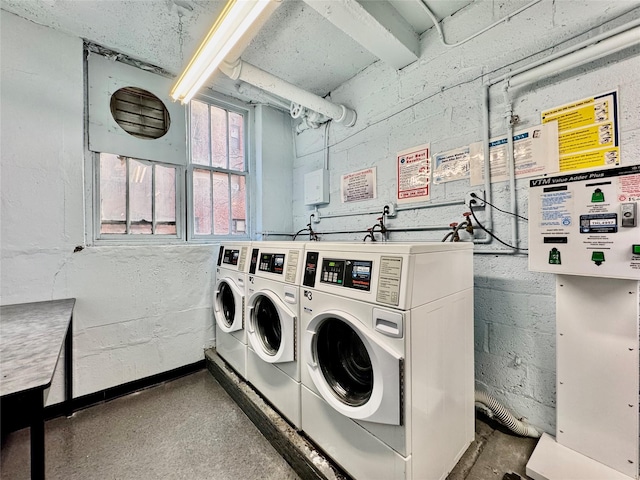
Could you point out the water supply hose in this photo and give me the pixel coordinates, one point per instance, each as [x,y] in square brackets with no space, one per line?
[505,417]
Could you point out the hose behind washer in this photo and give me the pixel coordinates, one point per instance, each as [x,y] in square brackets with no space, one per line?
[505,416]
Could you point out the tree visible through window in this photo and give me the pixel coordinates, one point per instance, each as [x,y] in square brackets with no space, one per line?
[219,170]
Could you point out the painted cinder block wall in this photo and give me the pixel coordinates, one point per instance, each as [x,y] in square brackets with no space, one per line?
[140,310]
[437,100]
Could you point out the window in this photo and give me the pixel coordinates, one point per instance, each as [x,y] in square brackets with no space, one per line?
[159,171]
[137,197]
[218,171]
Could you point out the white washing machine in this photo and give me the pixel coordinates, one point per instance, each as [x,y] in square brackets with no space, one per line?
[273,290]
[387,356]
[229,304]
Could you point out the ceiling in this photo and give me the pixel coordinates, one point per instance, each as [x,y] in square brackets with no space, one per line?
[297,43]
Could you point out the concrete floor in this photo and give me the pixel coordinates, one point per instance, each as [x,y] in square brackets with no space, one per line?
[190,428]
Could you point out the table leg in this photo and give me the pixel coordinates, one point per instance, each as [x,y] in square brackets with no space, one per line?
[37,436]
[68,369]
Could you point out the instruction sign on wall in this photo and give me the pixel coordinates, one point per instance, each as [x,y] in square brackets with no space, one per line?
[451,165]
[357,186]
[413,167]
[535,152]
[587,132]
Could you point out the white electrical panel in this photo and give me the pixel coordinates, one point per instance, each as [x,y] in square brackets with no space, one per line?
[586,223]
[316,187]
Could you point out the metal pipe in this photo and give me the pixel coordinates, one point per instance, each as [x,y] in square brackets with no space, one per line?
[239,69]
[263,97]
[486,138]
[398,209]
[594,51]
[511,165]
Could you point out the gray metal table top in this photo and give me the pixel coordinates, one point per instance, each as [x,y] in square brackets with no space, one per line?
[31,338]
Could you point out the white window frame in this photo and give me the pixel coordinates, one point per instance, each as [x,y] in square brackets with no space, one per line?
[137,238]
[247,114]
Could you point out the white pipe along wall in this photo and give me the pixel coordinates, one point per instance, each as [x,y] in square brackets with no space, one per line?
[436,100]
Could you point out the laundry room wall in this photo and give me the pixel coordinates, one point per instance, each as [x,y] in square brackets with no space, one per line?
[273,195]
[140,310]
[437,100]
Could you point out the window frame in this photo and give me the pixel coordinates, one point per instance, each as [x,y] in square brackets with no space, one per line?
[247,114]
[100,238]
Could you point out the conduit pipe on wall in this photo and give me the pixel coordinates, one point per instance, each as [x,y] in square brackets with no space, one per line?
[594,52]
[510,121]
[398,209]
[239,69]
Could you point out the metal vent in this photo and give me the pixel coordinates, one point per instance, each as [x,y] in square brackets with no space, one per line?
[140,113]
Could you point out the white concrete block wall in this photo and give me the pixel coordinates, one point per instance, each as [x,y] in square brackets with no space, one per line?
[438,100]
[140,310]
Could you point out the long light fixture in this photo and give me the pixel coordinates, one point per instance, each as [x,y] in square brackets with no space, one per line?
[234,21]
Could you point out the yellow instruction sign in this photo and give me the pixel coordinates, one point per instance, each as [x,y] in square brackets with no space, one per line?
[587,132]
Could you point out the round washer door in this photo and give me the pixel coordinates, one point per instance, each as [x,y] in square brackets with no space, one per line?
[228,306]
[355,374]
[271,327]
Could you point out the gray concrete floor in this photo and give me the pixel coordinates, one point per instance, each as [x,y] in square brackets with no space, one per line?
[190,428]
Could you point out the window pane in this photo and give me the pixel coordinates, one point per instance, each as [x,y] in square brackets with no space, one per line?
[113,194]
[202,202]
[221,203]
[199,133]
[165,198]
[236,142]
[238,205]
[218,137]
[140,196]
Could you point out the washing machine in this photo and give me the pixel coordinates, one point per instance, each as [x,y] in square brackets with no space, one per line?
[273,300]
[229,304]
[387,356]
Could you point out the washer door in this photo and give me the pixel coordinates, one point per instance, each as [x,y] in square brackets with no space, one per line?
[271,327]
[228,306]
[355,374]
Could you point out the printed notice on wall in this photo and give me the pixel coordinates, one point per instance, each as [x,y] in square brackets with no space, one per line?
[587,132]
[414,174]
[451,165]
[535,152]
[358,186]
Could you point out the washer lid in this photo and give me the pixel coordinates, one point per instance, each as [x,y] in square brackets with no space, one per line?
[271,327]
[357,375]
[228,306]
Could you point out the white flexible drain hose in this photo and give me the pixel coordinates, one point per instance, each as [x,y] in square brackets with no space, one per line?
[505,416]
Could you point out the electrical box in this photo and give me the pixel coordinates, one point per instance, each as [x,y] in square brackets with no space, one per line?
[316,187]
[586,223]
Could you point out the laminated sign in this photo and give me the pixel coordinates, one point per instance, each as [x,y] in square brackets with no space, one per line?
[413,168]
[587,132]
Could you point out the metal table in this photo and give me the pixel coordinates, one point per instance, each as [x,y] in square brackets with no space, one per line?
[31,339]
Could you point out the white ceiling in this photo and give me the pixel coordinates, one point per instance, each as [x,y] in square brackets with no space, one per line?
[297,43]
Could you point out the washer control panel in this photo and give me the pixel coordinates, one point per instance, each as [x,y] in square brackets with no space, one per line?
[586,223]
[347,273]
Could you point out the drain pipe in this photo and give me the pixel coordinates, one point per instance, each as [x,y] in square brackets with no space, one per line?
[239,69]
[505,416]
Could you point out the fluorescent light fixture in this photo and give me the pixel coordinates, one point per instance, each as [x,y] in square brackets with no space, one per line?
[234,21]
